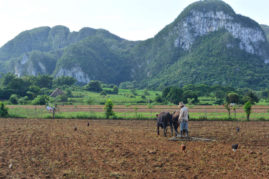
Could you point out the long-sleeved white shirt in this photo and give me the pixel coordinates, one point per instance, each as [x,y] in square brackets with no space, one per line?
[183,115]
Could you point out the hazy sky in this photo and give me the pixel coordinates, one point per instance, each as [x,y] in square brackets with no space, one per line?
[129,19]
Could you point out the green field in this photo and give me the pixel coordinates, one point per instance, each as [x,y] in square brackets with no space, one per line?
[128,99]
[74,112]
[124,96]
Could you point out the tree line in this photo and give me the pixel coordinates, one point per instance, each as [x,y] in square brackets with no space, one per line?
[221,95]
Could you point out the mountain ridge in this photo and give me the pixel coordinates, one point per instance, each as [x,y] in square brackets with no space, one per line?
[96,54]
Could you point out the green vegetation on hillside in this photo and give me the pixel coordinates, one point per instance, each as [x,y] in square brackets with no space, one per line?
[95,54]
[215,65]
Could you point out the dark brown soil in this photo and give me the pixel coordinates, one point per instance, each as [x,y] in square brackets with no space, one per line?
[130,149]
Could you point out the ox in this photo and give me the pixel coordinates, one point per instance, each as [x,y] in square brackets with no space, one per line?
[163,120]
[175,122]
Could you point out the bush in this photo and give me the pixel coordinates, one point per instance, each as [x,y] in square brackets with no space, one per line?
[69,93]
[103,93]
[13,99]
[23,100]
[40,100]
[62,98]
[34,89]
[158,99]
[94,86]
[115,90]
[89,100]
[30,95]
[127,85]
[109,108]
[3,110]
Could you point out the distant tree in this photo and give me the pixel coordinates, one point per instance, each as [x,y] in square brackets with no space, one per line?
[158,99]
[64,80]
[69,93]
[7,78]
[219,94]
[45,91]
[232,98]
[166,91]
[203,89]
[103,93]
[33,88]
[43,81]
[247,109]
[94,86]
[173,94]
[191,95]
[23,100]
[33,91]
[250,96]
[5,93]
[13,99]
[115,89]
[126,85]
[18,86]
[40,100]
[30,95]
[109,108]
[3,110]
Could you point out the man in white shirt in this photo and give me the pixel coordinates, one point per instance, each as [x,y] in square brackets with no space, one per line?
[183,119]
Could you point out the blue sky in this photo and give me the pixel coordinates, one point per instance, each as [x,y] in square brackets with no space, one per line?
[129,19]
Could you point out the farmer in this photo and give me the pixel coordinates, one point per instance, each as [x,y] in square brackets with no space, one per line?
[183,119]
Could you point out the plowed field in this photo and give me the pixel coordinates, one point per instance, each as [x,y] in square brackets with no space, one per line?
[130,149]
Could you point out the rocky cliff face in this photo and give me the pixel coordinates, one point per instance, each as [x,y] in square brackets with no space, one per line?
[265,28]
[75,72]
[251,38]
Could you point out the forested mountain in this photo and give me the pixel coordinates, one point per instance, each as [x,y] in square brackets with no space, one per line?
[207,43]
[85,55]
